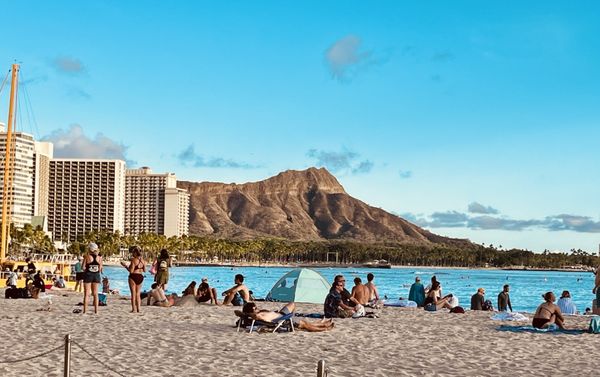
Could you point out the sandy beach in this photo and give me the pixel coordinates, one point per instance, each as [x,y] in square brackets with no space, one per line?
[202,341]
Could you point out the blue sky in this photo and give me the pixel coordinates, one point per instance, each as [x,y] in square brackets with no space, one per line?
[475,121]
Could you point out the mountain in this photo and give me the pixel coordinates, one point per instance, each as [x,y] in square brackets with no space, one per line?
[299,205]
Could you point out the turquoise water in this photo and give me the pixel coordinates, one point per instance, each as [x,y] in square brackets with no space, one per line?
[526,286]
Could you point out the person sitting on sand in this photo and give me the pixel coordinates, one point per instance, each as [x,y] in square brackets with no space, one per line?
[334,306]
[566,304]
[58,282]
[157,297]
[250,309]
[190,290]
[428,287]
[417,292]
[237,295]
[478,299]
[205,293]
[344,293]
[360,292]
[374,294]
[548,313]
[433,301]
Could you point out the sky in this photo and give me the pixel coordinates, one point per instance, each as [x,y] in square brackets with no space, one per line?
[474,120]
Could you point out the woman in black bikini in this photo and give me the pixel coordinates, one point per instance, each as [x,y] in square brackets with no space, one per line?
[548,313]
[137,267]
[92,267]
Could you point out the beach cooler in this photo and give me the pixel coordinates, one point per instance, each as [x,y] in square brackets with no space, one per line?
[595,325]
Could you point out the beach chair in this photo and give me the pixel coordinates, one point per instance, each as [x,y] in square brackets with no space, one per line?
[275,325]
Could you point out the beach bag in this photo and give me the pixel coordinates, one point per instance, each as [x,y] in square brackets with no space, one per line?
[430,307]
[595,325]
[487,305]
[457,309]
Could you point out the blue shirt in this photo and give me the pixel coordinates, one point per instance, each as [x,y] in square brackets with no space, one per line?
[566,305]
[417,293]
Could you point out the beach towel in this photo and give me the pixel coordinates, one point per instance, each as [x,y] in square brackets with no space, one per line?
[310,315]
[530,329]
[505,316]
[400,303]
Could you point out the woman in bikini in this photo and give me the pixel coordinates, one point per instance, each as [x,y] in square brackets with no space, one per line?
[548,313]
[433,297]
[136,268]
[205,293]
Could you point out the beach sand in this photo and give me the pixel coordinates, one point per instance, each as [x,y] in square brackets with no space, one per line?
[202,341]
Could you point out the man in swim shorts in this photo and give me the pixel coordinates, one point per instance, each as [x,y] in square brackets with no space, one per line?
[237,295]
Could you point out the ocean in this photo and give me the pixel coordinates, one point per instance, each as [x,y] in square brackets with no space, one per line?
[526,287]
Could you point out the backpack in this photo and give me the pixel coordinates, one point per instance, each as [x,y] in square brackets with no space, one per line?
[487,305]
[163,265]
[594,325]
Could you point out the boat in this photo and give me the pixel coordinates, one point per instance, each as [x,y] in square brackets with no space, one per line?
[50,265]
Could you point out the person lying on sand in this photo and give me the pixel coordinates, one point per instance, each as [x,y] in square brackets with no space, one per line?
[206,293]
[251,310]
[548,313]
[157,297]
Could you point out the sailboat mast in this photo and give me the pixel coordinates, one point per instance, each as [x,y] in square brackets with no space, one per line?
[6,190]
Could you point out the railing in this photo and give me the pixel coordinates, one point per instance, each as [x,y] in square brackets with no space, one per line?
[67,357]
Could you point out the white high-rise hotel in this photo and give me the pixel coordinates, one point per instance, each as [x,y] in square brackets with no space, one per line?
[77,196]
[153,203]
[30,162]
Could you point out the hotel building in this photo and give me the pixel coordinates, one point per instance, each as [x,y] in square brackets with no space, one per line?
[29,186]
[85,195]
[154,204]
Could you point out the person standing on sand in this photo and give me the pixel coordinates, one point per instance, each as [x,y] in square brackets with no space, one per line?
[92,267]
[163,263]
[78,270]
[596,290]
[417,292]
[374,294]
[504,299]
[136,269]
[360,292]
[548,313]
[478,299]
[237,295]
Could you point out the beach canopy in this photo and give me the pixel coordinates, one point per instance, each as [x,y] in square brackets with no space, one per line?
[300,285]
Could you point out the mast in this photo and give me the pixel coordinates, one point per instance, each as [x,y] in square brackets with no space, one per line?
[6,190]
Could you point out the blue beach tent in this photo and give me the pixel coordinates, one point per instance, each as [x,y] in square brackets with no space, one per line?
[300,285]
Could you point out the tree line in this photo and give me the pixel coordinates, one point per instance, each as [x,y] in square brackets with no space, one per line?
[276,250]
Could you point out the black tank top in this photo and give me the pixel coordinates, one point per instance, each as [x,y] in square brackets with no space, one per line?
[93,266]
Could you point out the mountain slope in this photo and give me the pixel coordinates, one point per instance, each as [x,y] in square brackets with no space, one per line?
[299,205]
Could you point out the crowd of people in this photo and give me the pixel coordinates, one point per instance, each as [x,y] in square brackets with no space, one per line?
[339,302]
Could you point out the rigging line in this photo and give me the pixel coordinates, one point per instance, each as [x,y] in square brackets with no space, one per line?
[31,357]
[30,106]
[5,81]
[22,100]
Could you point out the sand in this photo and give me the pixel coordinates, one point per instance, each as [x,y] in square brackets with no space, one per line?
[202,341]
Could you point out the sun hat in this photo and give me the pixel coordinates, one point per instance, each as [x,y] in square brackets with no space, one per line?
[92,247]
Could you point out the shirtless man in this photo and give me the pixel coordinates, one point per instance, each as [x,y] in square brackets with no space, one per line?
[237,295]
[252,311]
[373,293]
[548,313]
[361,294]
[157,297]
